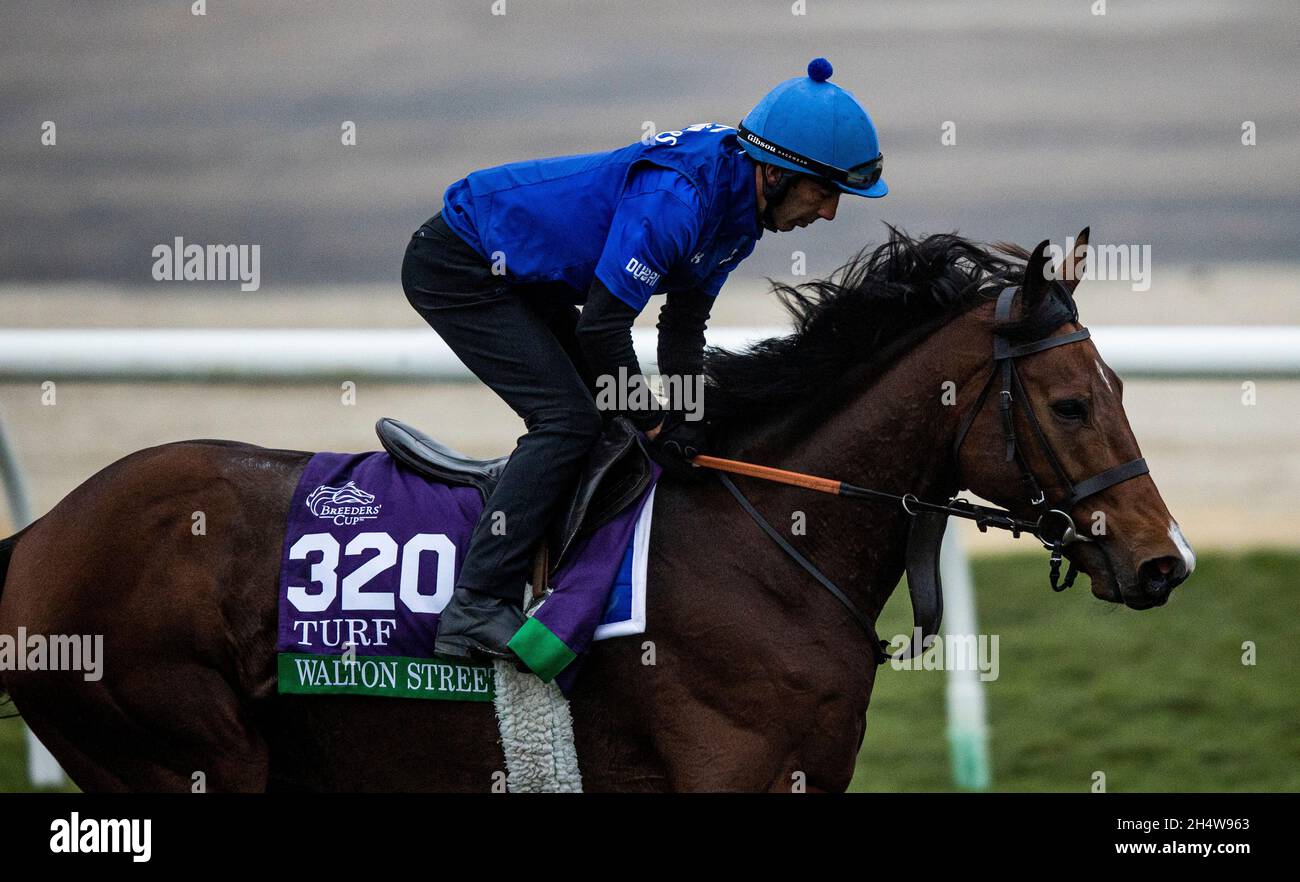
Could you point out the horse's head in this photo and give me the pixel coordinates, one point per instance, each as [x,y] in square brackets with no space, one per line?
[1067,426]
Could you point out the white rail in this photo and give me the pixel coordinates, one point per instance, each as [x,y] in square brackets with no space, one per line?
[413,355]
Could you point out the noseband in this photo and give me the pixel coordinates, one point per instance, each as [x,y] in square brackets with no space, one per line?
[1054,527]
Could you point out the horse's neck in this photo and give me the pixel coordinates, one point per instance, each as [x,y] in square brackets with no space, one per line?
[896,437]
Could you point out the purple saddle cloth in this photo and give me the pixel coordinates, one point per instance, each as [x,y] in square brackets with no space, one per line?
[371,554]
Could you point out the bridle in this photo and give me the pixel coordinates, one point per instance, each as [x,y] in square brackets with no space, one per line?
[1004,373]
[1054,527]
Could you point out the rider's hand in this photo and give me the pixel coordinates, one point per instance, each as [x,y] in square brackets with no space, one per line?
[676,442]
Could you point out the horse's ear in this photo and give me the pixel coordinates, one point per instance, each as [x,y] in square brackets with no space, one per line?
[1035,282]
[1075,263]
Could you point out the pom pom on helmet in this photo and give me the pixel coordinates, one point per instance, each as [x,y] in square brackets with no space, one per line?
[820,70]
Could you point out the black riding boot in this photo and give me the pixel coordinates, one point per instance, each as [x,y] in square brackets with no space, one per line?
[475,625]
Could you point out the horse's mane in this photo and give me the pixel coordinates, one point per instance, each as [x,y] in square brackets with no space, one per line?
[865,315]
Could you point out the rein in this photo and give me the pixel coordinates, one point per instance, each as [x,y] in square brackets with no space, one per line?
[1054,527]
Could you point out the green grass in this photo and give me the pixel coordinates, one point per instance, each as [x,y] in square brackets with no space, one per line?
[1157,700]
[13,775]
[13,757]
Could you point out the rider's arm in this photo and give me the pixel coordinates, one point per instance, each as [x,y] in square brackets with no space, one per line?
[605,337]
[654,229]
[682,321]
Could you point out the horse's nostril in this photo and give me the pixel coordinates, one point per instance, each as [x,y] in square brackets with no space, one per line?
[1161,575]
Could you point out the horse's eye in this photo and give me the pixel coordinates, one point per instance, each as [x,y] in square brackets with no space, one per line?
[1071,408]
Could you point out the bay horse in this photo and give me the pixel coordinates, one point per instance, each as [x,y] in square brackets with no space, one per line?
[749,676]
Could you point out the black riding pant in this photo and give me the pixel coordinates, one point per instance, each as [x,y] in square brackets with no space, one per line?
[519,340]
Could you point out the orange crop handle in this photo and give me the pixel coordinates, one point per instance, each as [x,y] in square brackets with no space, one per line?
[781,476]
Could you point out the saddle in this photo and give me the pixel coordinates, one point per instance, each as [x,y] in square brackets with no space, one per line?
[617,471]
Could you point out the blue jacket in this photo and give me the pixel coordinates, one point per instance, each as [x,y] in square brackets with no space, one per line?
[679,213]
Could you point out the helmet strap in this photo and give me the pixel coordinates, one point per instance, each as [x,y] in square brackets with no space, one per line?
[774,195]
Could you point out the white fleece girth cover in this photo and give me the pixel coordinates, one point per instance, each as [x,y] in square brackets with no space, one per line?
[536,727]
[536,733]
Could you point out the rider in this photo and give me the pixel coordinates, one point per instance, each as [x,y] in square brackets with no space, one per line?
[499,271]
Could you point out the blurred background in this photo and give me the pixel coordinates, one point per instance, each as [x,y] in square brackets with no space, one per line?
[225,128]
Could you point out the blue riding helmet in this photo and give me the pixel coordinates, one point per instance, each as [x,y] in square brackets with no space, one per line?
[811,126]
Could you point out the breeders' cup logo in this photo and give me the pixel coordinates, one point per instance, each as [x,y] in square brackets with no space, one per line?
[344,505]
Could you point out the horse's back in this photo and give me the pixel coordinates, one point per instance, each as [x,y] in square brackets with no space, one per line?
[147,532]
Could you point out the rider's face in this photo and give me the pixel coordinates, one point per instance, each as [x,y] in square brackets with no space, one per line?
[807,201]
